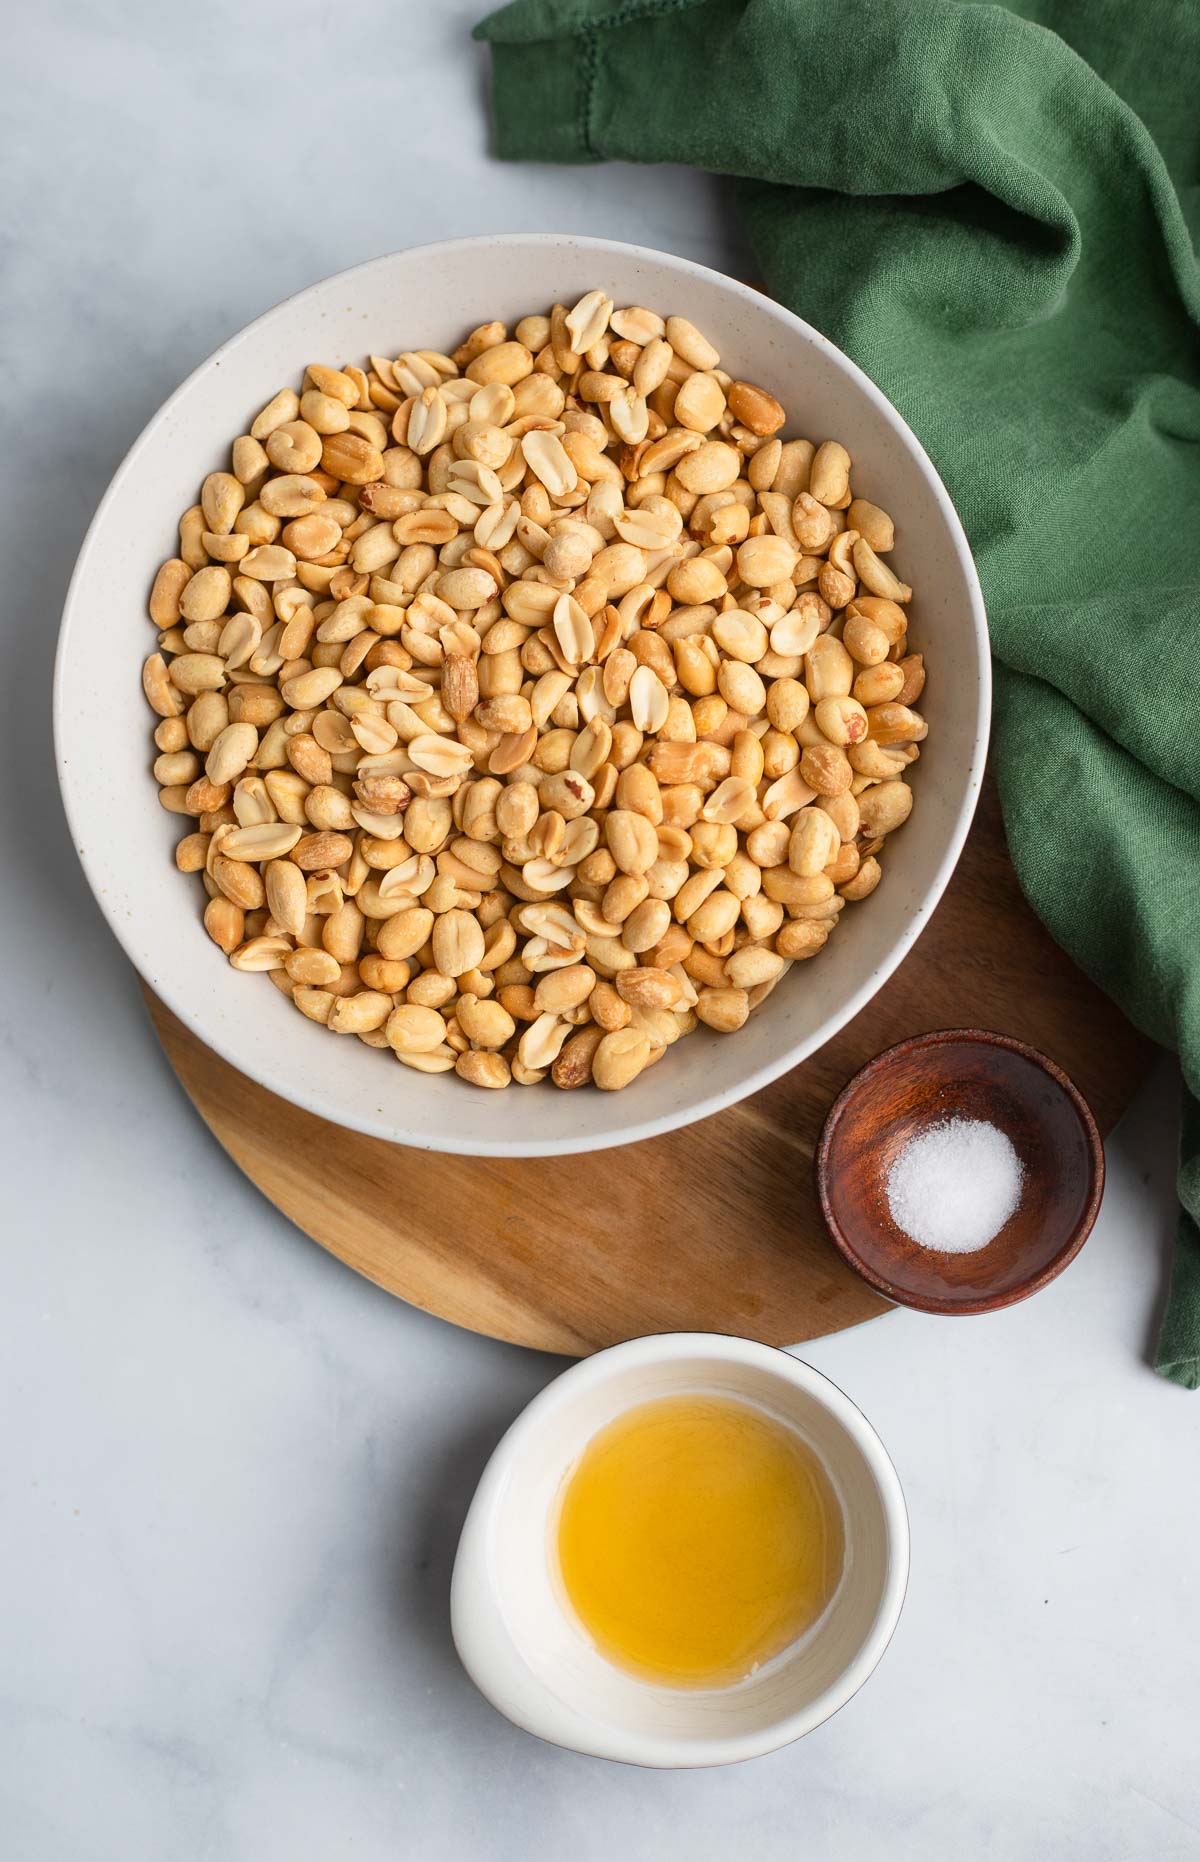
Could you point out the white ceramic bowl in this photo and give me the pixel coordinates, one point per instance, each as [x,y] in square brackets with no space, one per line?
[431,296]
[528,1656]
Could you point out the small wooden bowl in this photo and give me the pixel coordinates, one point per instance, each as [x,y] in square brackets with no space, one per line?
[961,1073]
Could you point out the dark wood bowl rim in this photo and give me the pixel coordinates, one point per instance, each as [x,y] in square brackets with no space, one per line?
[991,1302]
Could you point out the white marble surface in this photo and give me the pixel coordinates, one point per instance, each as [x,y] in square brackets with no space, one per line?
[233,1473]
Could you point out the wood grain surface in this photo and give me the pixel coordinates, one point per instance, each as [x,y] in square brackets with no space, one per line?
[714,1228]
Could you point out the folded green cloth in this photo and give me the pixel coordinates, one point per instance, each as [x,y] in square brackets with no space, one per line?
[985,207]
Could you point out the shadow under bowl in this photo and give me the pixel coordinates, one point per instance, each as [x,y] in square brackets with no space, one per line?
[964,1073]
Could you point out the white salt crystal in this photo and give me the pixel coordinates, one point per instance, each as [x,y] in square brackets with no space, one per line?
[954,1186]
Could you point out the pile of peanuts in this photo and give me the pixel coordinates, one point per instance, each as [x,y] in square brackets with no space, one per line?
[535,703]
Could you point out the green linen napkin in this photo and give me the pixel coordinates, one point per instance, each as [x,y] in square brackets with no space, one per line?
[985,207]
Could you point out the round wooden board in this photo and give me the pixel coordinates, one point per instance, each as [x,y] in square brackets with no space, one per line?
[714,1228]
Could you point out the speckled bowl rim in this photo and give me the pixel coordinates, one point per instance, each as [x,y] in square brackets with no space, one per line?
[443,1135]
[990,1302]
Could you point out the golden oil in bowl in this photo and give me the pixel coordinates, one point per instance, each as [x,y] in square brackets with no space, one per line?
[697,1538]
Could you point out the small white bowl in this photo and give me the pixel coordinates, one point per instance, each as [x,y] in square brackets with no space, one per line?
[102,725]
[524,1651]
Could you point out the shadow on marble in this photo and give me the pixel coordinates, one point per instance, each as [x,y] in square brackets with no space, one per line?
[418,1599]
